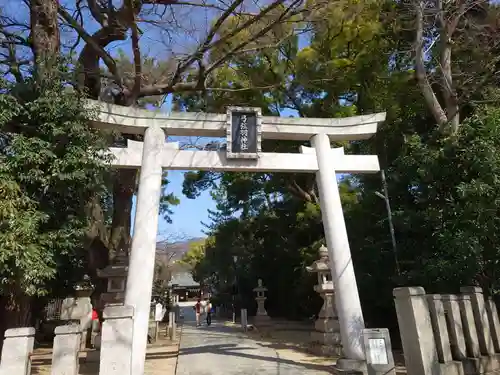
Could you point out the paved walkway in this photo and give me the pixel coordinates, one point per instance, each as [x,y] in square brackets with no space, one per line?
[219,349]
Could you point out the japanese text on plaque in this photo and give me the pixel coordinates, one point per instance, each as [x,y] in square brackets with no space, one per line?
[244,133]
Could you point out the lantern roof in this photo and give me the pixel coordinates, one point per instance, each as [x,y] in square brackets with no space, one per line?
[322,264]
[260,287]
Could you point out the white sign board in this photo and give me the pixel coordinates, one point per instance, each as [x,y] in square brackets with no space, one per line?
[158,312]
[377,353]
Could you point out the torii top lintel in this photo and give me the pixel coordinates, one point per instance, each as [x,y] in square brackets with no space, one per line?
[134,120]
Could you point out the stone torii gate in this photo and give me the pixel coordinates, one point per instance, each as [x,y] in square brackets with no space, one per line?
[244,128]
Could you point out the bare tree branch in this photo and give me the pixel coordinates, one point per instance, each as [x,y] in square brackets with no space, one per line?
[286,14]
[137,55]
[420,69]
[444,23]
[97,12]
[90,41]
[175,86]
[449,93]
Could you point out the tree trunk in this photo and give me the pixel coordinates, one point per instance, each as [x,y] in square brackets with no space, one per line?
[45,35]
[420,70]
[123,192]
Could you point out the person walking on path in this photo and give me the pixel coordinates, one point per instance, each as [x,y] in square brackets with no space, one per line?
[209,312]
[197,309]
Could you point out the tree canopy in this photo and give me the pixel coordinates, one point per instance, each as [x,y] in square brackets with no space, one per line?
[431,66]
[441,171]
[51,167]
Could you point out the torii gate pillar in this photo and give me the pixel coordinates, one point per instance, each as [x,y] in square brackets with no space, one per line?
[155,154]
[142,253]
[346,291]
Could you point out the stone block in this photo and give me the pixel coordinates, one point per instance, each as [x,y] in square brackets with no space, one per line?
[116,341]
[438,321]
[416,332]
[328,309]
[67,343]
[469,326]
[262,320]
[452,368]
[481,365]
[16,351]
[327,325]
[319,349]
[351,366]
[455,326]
[481,320]
[326,338]
[492,311]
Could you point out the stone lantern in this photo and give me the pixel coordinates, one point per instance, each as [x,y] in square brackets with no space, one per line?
[325,339]
[116,273]
[260,298]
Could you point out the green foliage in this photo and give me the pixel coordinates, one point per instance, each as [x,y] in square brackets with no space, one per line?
[22,254]
[443,191]
[195,254]
[272,245]
[167,200]
[456,200]
[161,290]
[51,167]
[279,221]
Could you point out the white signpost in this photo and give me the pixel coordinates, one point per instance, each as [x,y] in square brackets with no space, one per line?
[377,354]
[243,127]
[159,313]
[379,358]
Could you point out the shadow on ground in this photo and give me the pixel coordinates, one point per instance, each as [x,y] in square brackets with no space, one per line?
[88,363]
[283,336]
[220,330]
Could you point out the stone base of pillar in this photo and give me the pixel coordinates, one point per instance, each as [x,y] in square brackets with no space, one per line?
[481,365]
[67,343]
[351,367]
[327,325]
[323,350]
[16,351]
[260,320]
[326,338]
[116,345]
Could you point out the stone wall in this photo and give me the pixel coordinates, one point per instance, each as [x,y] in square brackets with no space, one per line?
[115,356]
[448,334]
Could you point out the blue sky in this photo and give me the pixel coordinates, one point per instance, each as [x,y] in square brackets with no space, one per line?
[187,216]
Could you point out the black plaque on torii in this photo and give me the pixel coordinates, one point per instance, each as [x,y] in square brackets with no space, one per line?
[243,130]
